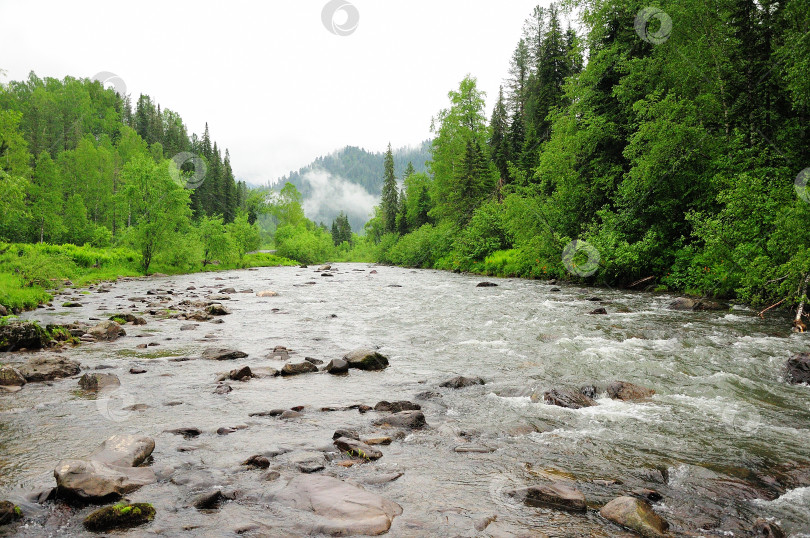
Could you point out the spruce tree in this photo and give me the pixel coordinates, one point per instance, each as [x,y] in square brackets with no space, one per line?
[389,203]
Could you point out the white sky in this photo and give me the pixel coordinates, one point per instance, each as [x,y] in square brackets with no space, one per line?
[275,86]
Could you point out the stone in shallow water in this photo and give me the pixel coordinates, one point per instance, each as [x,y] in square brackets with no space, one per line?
[366,359]
[357,448]
[338,508]
[554,495]
[99,381]
[124,450]
[107,331]
[622,390]
[222,354]
[119,516]
[11,377]
[298,368]
[97,481]
[406,419]
[461,382]
[570,398]
[636,515]
[798,368]
[40,369]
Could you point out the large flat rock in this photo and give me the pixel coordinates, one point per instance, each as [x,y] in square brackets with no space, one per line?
[339,508]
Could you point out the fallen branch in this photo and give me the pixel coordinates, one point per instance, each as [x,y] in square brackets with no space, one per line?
[761,314]
[637,282]
[798,324]
[775,280]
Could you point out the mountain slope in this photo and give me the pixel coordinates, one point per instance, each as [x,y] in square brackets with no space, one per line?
[349,180]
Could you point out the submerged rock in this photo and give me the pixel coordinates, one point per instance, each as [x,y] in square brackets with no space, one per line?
[22,334]
[554,495]
[124,450]
[222,354]
[461,382]
[570,398]
[340,508]
[798,368]
[209,500]
[119,516]
[486,285]
[257,462]
[99,381]
[107,331]
[240,374]
[636,515]
[598,311]
[366,359]
[622,390]
[686,303]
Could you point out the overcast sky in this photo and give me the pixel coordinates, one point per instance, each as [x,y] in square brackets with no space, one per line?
[276,86]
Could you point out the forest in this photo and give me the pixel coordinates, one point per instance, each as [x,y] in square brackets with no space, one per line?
[651,148]
[662,149]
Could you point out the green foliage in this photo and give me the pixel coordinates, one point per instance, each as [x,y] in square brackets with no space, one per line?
[306,244]
[484,234]
[243,236]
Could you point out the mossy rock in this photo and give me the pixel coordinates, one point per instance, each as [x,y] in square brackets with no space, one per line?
[119,516]
[23,334]
[9,512]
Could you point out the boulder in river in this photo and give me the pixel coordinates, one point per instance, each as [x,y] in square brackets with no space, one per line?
[366,359]
[598,311]
[339,508]
[798,368]
[622,390]
[222,354]
[107,331]
[396,407]
[98,381]
[357,449]
[9,512]
[124,450]
[686,303]
[22,334]
[217,310]
[109,472]
[11,377]
[39,369]
[127,317]
[636,515]
[461,382]
[486,285]
[413,420]
[337,367]
[257,462]
[298,368]
[555,495]
[119,516]
[240,374]
[570,398]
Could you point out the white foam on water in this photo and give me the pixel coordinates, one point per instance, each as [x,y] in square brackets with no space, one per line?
[793,498]
[481,343]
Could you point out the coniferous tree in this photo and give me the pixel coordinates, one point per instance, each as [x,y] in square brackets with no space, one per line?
[389,203]
[498,142]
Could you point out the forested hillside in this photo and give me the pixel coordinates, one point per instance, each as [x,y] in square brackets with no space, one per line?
[669,143]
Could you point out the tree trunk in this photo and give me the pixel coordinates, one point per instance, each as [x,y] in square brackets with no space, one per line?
[798,324]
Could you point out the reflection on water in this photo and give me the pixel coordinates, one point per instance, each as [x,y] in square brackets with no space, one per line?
[724,439]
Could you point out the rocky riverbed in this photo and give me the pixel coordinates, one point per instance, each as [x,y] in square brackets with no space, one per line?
[365,400]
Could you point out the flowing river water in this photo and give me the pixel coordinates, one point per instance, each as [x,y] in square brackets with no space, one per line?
[724,440]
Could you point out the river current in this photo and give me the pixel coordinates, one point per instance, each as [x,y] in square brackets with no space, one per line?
[725,439]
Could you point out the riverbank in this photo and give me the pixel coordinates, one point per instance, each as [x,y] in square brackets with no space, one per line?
[30,274]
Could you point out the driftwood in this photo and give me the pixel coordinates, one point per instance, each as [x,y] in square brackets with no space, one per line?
[762,314]
[798,324]
[642,281]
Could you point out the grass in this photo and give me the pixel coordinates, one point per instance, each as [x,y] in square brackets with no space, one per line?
[29,273]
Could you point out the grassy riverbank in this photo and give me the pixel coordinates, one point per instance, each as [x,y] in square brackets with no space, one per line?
[28,273]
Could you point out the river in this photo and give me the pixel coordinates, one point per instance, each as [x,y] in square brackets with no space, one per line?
[724,440]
